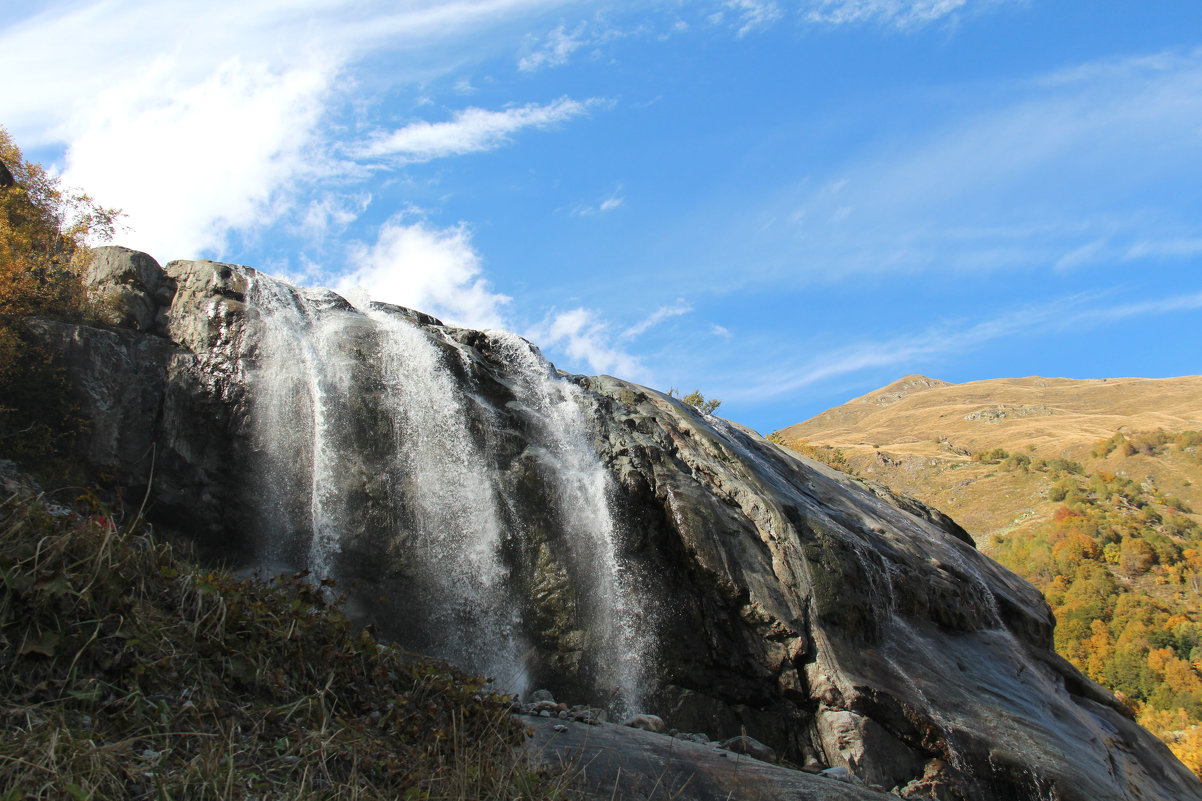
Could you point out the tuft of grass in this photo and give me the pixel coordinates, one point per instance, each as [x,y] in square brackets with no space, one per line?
[126,672]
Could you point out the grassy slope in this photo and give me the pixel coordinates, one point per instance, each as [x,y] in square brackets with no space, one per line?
[918,436]
[126,672]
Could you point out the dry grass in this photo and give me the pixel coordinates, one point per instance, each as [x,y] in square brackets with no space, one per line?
[128,673]
[918,436]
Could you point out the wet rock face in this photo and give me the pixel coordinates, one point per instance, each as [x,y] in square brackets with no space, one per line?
[856,629]
[842,626]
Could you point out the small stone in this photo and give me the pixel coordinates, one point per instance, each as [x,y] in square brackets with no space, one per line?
[841,773]
[544,713]
[652,723]
[560,727]
[541,695]
[750,746]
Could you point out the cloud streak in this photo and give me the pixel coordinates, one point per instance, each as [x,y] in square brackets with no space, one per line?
[472,130]
[904,15]
[906,352]
[655,318]
[1082,168]
[555,50]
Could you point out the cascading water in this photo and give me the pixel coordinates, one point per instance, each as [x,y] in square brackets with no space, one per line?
[298,377]
[583,492]
[364,430]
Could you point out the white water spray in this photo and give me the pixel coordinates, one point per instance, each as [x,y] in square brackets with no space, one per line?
[358,412]
[583,490]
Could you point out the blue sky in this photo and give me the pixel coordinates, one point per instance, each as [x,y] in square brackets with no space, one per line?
[785,205]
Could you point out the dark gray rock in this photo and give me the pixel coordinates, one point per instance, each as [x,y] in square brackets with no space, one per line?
[621,762]
[742,744]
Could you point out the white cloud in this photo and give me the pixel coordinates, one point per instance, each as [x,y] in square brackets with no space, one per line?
[555,50]
[587,340]
[720,331]
[200,117]
[331,213]
[753,14]
[613,201]
[471,130]
[655,318]
[434,270]
[901,14]
[189,163]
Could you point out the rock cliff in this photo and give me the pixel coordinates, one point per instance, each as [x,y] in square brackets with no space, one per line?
[589,535]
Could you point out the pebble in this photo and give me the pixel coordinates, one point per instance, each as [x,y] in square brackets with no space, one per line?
[842,774]
[653,723]
[560,727]
[750,746]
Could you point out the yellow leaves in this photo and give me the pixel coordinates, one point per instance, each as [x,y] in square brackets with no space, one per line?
[1157,657]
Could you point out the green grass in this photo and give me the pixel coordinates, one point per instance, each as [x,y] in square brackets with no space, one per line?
[126,672]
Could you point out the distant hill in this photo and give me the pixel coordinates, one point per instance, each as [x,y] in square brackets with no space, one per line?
[919,435]
[1091,490]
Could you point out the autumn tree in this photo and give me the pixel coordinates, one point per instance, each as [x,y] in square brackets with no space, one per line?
[696,400]
[44,235]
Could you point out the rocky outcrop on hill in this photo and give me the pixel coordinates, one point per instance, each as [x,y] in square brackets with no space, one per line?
[593,536]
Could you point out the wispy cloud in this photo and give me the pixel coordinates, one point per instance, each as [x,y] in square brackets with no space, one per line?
[471,131]
[908,351]
[751,15]
[1060,174]
[657,317]
[554,50]
[612,201]
[1164,249]
[900,14]
[185,184]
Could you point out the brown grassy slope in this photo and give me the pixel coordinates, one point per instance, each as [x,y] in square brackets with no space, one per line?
[917,435]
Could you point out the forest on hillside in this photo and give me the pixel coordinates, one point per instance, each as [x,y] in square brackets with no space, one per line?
[1121,565]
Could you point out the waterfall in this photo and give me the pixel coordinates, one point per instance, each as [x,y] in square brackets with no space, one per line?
[370,441]
[298,378]
[583,491]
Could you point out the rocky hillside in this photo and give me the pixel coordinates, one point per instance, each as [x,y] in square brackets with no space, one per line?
[587,534]
[1089,489]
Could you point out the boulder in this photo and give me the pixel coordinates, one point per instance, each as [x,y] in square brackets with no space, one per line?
[743,744]
[651,723]
[129,288]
